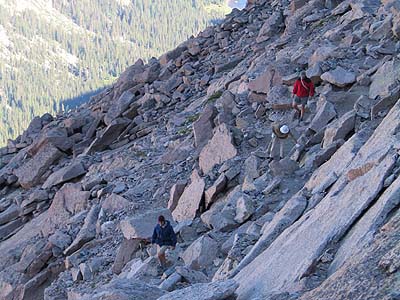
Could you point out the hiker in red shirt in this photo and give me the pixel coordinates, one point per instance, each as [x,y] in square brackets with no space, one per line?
[303,89]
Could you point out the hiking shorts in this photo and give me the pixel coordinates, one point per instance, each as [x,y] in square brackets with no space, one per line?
[300,100]
[163,249]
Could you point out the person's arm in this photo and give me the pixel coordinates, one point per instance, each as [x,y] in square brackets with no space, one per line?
[293,138]
[154,236]
[312,89]
[173,237]
[295,88]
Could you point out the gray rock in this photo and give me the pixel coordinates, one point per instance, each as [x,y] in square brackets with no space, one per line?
[368,226]
[87,232]
[311,234]
[241,244]
[339,77]
[10,228]
[325,113]
[114,203]
[191,276]
[244,209]
[314,159]
[125,253]
[61,241]
[142,226]
[170,283]
[173,54]
[315,72]
[292,210]
[87,274]
[339,129]
[119,107]
[218,290]
[76,274]
[201,253]
[251,167]
[228,65]
[270,27]
[30,173]
[385,79]
[11,213]
[65,174]
[109,135]
[126,289]
[57,137]
[68,201]
[119,188]
[338,163]
[221,215]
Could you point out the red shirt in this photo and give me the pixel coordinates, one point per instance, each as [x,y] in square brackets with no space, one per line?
[303,89]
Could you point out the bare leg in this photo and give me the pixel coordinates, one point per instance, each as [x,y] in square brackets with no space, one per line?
[296,107]
[302,110]
[269,148]
[162,259]
[281,149]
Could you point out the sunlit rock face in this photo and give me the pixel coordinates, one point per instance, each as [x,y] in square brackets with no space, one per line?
[240,4]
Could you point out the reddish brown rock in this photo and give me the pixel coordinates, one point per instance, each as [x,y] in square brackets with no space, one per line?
[203,127]
[175,193]
[212,192]
[189,202]
[358,172]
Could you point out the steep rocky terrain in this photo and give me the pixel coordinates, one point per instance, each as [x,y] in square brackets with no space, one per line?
[186,135]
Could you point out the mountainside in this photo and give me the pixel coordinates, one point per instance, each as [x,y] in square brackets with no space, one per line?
[54,54]
[186,136]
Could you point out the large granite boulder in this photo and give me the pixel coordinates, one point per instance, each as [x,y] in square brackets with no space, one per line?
[218,150]
[68,201]
[295,251]
[203,127]
[189,203]
[325,113]
[339,77]
[339,129]
[219,290]
[30,173]
[87,232]
[119,107]
[108,136]
[126,289]
[142,226]
[201,253]
[65,174]
[385,79]
[57,137]
[114,203]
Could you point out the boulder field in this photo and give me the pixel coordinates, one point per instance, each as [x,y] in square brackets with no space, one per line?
[186,136]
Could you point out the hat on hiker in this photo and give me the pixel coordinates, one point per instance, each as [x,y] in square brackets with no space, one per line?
[284,129]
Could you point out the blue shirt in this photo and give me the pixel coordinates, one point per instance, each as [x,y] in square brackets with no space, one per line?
[164,235]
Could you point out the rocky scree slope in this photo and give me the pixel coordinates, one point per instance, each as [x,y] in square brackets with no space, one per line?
[186,136]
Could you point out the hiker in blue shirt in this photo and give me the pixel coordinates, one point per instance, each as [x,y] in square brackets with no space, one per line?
[165,238]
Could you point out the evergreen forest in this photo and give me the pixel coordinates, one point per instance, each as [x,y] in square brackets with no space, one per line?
[55,53]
